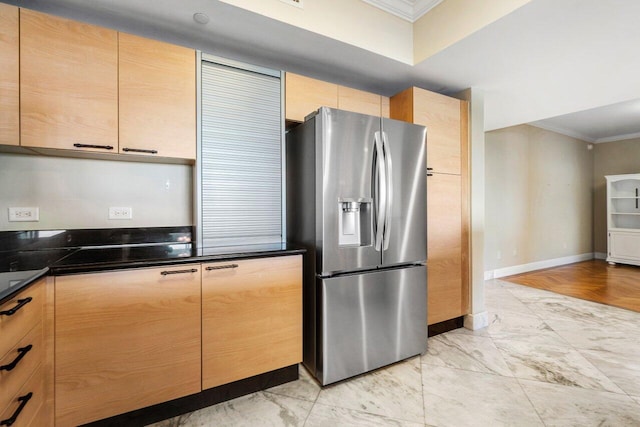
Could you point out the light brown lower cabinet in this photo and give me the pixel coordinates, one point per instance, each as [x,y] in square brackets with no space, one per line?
[25,388]
[444,248]
[251,317]
[125,340]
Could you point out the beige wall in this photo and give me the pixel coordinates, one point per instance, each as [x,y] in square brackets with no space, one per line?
[351,21]
[77,193]
[610,158]
[538,196]
[453,20]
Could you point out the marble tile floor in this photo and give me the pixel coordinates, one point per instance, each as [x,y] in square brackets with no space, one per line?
[544,360]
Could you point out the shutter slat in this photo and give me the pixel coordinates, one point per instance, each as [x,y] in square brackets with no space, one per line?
[241,158]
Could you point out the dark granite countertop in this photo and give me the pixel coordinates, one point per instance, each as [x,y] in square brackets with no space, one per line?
[112,258]
[14,281]
[30,255]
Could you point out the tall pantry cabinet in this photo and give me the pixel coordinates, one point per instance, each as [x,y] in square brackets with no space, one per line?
[446,120]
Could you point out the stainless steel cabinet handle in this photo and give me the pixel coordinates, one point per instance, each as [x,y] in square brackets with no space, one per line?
[222,267]
[189,270]
[139,150]
[388,202]
[381,191]
[12,311]
[104,147]
[21,353]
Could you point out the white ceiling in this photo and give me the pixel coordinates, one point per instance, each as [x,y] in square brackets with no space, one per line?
[409,10]
[547,59]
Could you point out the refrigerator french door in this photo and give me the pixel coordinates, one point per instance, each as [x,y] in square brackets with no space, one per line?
[356,199]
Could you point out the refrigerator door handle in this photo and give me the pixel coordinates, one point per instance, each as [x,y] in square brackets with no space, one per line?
[389,191]
[380,191]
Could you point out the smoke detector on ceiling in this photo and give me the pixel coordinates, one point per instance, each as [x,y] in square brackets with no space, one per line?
[201,18]
[296,3]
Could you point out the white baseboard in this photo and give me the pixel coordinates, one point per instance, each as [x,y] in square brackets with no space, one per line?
[600,255]
[538,265]
[476,321]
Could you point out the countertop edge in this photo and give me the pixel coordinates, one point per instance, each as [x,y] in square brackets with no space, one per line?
[11,292]
[123,265]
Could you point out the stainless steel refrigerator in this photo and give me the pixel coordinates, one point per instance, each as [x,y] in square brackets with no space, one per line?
[356,199]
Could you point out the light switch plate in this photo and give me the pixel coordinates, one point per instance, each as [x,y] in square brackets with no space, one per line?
[19,214]
[120,213]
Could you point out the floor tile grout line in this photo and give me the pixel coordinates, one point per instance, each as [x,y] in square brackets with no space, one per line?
[424,405]
[530,401]
[571,346]
[603,373]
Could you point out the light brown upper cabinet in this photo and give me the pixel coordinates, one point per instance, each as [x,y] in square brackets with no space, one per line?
[68,84]
[447,219]
[9,75]
[441,115]
[305,95]
[157,87]
[359,101]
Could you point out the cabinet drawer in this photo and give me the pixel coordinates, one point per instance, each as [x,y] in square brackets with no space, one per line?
[31,398]
[22,359]
[15,326]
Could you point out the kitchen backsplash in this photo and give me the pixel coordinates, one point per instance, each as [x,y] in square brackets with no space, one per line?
[73,193]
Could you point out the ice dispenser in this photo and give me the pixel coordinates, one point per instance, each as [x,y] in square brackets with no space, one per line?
[354,222]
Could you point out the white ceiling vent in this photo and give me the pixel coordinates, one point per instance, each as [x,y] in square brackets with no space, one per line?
[296,3]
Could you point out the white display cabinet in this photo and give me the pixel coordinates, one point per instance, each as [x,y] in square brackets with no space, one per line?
[623,219]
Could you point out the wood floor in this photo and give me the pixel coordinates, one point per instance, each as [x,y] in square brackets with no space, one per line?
[593,280]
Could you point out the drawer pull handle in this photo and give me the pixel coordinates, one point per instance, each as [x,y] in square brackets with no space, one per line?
[139,150]
[23,402]
[190,270]
[12,311]
[21,353]
[222,267]
[104,147]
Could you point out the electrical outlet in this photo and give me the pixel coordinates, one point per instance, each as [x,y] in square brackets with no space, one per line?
[120,213]
[24,214]
[499,255]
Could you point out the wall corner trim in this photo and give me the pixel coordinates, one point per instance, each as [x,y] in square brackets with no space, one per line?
[476,321]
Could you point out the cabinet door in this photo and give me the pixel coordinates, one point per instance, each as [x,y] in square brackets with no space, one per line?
[304,95]
[444,250]
[359,101]
[68,84]
[624,247]
[441,115]
[157,102]
[251,318]
[9,76]
[125,340]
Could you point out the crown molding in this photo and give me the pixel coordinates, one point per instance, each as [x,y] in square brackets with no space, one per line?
[562,131]
[409,10]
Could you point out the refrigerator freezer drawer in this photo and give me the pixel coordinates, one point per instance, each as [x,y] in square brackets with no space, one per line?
[371,320]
